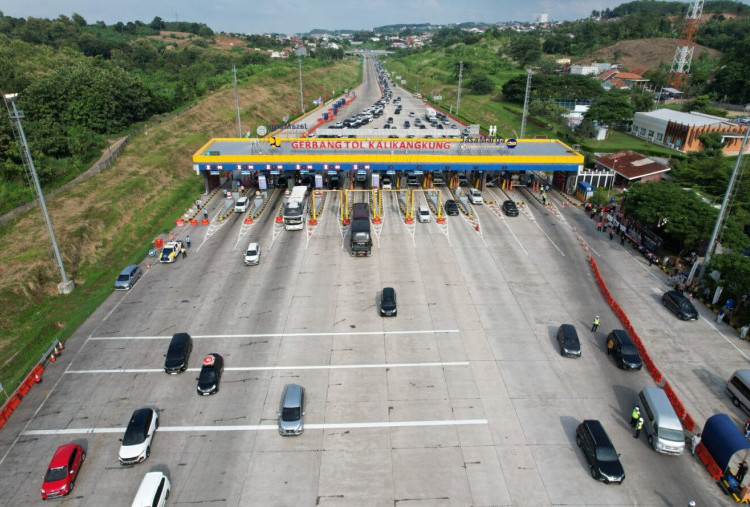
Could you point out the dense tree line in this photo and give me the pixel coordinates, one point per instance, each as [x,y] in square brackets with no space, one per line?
[570,86]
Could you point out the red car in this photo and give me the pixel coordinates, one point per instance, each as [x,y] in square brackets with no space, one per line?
[63,470]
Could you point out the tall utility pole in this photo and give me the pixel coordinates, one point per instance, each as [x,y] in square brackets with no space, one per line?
[66,286]
[722,212]
[525,102]
[301,100]
[460,76]
[237,102]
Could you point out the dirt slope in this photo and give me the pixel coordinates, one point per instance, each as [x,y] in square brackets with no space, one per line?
[643,53]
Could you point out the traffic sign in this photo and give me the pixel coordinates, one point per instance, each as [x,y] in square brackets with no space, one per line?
[261,130]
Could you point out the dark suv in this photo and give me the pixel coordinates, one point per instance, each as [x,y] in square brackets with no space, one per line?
[567,337]
[510,208]
[388,306]
[623,350]
[680,305]
[604,462]
[178,353]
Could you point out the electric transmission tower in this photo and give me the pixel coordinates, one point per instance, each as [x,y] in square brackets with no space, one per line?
[683,55]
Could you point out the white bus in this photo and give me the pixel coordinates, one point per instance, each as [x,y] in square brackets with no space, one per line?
[294,209]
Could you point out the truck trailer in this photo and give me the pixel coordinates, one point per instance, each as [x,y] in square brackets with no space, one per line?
[361,240]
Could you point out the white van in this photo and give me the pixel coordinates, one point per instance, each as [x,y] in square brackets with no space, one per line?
[153,492]
[738,387]
[241,205]
[423,214]
[252,254]
[662,426]
[475,196]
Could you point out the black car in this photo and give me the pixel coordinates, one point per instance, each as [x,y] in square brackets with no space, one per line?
[388,306]
[624,351]
[567,337]
[178,353]
[510,208]
[604,462]
[451,208]
[680,305]
[208,381]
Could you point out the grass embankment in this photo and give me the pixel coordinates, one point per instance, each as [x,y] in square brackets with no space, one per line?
[110,220]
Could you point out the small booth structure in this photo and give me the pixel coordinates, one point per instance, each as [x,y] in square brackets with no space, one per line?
[723,450]
[584,191]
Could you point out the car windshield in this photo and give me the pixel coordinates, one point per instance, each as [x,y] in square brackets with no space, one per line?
[290,414]
[671,434]
[629,350]
[123,278]
[686,305]
[252,252]
[56,474]
[134,434]
[606,454]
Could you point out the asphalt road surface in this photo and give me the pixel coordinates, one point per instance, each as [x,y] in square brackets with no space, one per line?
[462,399]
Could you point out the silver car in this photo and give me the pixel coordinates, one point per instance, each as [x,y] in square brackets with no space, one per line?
[292,410]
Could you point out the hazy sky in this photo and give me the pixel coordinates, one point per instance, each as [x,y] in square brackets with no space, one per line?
[289,16]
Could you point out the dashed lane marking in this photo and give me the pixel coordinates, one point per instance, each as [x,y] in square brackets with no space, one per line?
[281,335]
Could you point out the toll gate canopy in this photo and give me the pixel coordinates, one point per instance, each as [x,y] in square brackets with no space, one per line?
[385,154]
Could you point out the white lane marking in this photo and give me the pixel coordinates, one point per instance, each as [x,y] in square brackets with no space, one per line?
[262,427]
[281,335]
[267,368]
[550,239]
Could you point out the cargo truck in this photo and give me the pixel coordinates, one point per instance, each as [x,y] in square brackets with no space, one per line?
[294,208]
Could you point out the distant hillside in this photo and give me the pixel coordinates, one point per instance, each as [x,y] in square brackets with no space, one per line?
[643,53]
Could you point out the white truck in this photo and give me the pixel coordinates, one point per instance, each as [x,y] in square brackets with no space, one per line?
[294,209]
[430,113]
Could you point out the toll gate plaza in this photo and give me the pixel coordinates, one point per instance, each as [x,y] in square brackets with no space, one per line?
[224,158]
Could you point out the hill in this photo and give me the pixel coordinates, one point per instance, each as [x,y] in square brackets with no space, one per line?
[643,53]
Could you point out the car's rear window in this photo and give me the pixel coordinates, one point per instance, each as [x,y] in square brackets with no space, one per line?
[606,454]
[56,474]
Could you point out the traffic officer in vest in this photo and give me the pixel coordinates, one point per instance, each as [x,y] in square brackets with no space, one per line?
[638,427]
[595,324]
[634,416]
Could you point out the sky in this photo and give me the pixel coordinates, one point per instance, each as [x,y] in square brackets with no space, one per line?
[297,16]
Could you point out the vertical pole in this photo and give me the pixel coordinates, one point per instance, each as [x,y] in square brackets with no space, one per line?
[460,76]
[526,102]
[237,102]
[724,206]
[301,100]
[15,117]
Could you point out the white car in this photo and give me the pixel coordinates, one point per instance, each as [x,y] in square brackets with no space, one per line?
[170,251]
[252,254]
[386,183]
[136,443]
[153,491]
[241,205]
[475,196]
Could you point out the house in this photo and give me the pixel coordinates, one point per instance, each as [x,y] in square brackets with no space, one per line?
[584,70]
[616,79]
[630,167]
[681,131]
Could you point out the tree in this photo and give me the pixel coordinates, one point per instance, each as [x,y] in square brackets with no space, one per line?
[79,20]
[612,109]
[735,272]
[481,84]
[526,49]
[642,99]
[157,23]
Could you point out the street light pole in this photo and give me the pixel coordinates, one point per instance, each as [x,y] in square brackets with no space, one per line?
[724,206]
[66,286]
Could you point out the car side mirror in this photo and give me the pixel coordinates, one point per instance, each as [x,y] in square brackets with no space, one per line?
[120,440]
[618,455]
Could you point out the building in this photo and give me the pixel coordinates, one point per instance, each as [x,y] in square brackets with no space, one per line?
[585,70]
[681,131]
[630,167]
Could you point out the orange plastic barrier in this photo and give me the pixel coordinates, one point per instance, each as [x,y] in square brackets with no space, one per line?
[708,461]
[688,422]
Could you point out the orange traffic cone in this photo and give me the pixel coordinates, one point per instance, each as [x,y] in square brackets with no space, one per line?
[52,358]
[37,378]
[60,344]
[55,352]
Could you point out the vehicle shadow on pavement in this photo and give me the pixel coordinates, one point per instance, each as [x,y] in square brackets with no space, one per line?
[626,399]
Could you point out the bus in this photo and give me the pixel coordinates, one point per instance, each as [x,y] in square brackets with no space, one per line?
[294,209]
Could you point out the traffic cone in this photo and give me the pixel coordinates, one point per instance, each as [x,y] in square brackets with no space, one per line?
[37,378]
[60,344]
[55,352]
[52,358]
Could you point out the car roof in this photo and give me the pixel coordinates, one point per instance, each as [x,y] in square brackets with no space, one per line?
[60,458]
[292,395]
[622,335]
[253,245]
[180,337]
[129,269]
[601,439]
[139,416]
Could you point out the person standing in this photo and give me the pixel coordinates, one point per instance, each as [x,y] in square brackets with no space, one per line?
[634,415]
[183,251]
[638,427]
[599,225]
[205,214]
[622,239]
[694,443]
[610,345]
[741,472]
[611,234]
[595,324]
[743,332]
[187,240]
